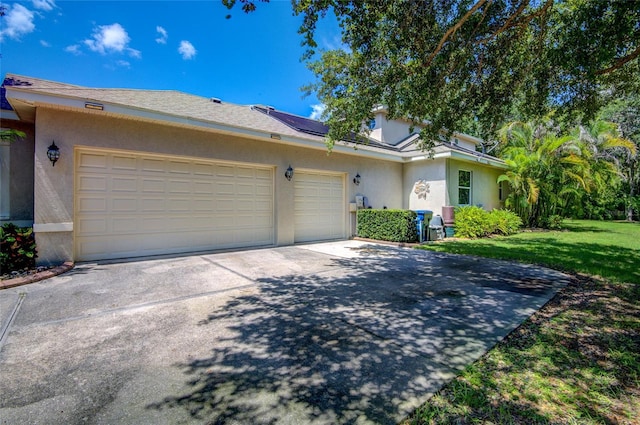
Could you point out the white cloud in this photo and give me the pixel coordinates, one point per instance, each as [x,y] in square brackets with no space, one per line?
[123,64]
[74,49]
[134,53]
[187,50]
[45,43]
[44,4]
[111,39]
[318,110]
[333,43]
[18,21]
[162,39]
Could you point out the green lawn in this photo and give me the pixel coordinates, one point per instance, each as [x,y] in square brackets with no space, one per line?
[597,248]
[577,360]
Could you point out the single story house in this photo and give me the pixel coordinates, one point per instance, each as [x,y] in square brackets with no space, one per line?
[146,172]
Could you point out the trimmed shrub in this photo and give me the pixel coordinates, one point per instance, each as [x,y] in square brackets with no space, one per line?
[387,225]
[504,222]
[474,222]
[17,248]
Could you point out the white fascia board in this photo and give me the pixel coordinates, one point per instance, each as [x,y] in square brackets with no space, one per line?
[462,157]
[478,159]
[79,104]
[5,114]
[439,155]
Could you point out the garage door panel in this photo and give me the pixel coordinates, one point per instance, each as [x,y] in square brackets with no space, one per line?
[92,160]
[88,204]
[180,167]
[265,205]
[123,225]
[195,205]
[202,169]
[92,226]
[179,186]
[124,184]
[124,162]
[124,205]
[225,171]
[223,188]
[153,165]
[203,187]
[92,183]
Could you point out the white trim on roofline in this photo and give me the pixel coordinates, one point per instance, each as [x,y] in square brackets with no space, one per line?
[5,114]
[462,157]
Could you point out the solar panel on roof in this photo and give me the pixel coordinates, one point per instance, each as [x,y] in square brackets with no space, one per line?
[305,125]
[310,126]
[4,103]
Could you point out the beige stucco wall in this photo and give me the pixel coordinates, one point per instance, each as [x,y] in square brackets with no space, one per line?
[21,174]
[391,131]
[424,185]
[54,194]
[484,186]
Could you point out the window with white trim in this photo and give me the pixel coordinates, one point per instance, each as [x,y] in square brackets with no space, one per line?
[5,159]
[464,187]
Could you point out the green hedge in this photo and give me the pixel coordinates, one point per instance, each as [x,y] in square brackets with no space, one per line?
[17,248]
[474,222]
[387,225]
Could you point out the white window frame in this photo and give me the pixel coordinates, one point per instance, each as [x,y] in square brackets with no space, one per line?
[5,174]
[469,188]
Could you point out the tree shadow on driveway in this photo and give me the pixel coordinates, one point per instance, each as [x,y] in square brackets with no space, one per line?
[364,340]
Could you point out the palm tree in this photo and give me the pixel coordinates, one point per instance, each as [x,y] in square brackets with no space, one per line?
[549,174]
[610,155]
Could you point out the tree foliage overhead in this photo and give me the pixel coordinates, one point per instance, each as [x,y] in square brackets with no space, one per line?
[462,63]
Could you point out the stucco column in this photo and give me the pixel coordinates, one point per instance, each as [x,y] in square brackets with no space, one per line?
[53,197]
[284,208]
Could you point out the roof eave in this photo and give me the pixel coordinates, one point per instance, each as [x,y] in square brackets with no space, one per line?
[34,99]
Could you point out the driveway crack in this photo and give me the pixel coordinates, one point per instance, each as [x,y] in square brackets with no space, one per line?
[5,329]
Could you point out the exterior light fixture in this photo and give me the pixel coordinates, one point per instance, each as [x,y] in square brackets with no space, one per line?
[94,106]
[356,179]
[289,173]
[53,153]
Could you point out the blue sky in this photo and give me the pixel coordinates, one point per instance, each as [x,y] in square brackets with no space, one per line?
[188,46]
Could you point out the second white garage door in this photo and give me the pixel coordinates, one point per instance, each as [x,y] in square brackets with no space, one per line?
[130,204]
[319,206]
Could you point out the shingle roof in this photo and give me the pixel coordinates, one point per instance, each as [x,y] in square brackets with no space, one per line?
[196,108]
[168,102]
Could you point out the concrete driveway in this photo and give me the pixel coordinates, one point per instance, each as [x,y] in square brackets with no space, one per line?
[340,332]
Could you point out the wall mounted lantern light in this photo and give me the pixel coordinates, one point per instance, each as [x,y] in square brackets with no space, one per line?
[289,173]
[53,153]
[356,179]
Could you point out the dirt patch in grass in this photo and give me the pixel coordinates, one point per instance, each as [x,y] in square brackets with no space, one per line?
[577,360]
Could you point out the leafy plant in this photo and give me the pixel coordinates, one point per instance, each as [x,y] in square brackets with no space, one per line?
[388,225]
[472,222]
[504,222]
[553,222]
[17,248]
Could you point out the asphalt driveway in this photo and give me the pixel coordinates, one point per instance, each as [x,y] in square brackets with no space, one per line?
[340,332]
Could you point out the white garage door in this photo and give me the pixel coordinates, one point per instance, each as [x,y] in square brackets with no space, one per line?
[131,205]
[319,206]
